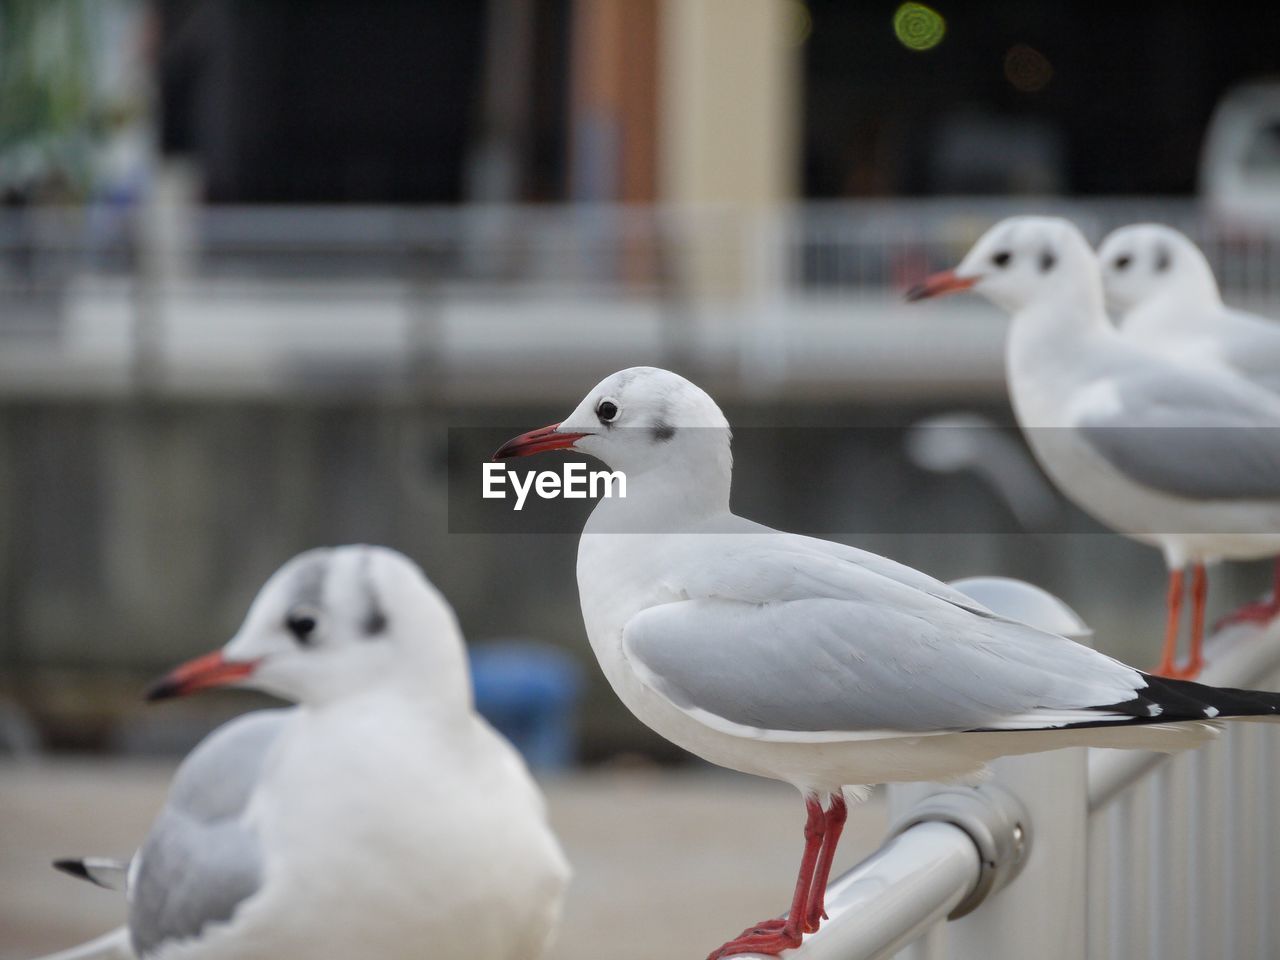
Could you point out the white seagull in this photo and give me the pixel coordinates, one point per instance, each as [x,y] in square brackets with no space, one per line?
[1180,456]
[813,662]
[1167,299]
[380,818]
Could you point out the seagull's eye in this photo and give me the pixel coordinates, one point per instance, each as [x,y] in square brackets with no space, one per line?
[1002,259]
[301,625]
[1122,262]
[607,411]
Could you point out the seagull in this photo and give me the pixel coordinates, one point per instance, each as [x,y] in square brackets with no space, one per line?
[811,662]
[1183,457]
[1162,286]
[379,818]
[1168,299]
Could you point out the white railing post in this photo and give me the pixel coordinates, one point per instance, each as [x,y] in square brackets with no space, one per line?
[1042,915]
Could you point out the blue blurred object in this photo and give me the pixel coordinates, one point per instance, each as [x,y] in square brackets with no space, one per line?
[530,691]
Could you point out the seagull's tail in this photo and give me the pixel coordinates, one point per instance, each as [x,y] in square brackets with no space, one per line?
[112,946]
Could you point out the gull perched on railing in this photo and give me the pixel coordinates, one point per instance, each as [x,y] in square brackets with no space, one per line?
[379,819]
[1183,457]
[1167,300]
[812,662]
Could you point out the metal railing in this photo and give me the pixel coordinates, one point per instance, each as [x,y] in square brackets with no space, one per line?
[270,298]
[1106,854]
[1184,857]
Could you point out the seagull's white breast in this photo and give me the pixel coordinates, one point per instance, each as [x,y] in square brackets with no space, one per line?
[386,837]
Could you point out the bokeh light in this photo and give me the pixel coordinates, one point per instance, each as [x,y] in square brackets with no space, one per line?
[1027,68]
[918,27]
[799,22]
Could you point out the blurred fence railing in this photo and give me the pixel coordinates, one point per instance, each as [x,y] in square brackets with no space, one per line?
[126,294]
[1168,857]
[823,245]
[1184,857]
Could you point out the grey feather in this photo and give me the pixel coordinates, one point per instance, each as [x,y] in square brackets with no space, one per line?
[1191,437]
[825,665]
[200,861]
[374,620]
[308,583]
[1252,347]
[786,633]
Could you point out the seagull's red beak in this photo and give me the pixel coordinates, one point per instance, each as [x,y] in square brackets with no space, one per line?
[537,441]
[940,284]
[211,670]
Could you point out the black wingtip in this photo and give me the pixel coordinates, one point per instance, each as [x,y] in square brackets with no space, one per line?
[1198,701]
[76,868]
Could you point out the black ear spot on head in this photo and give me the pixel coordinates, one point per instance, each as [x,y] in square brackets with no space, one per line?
[662,431]
[301,624]
[374,623]
[1164,259]
[1047,260]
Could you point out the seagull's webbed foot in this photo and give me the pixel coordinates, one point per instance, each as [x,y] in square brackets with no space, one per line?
[1259,613]
[769,937]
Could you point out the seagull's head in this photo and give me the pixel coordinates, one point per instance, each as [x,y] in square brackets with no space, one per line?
[637,420]
[334,622]
[1019,263]
[1146,261]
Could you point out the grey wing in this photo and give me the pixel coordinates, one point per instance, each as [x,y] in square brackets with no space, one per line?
[190,874]
[824,668]
[1251,344]
[1195,436]
[217,778]
[200,860]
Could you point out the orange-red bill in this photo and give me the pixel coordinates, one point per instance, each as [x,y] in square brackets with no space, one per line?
[211,670]
[940,284]
[537,441]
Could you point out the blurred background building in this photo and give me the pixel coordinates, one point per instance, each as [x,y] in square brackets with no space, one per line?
[257,258]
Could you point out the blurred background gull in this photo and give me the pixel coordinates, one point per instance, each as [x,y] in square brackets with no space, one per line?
[273,274]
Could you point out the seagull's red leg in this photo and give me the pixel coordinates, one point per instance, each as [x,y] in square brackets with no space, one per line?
[1195,662]
[773,936]
[1261,612]
[837,812]
[1168,662]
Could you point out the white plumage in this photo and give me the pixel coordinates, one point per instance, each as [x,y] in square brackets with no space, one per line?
[1183,456]
[809,661]
[381,818]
